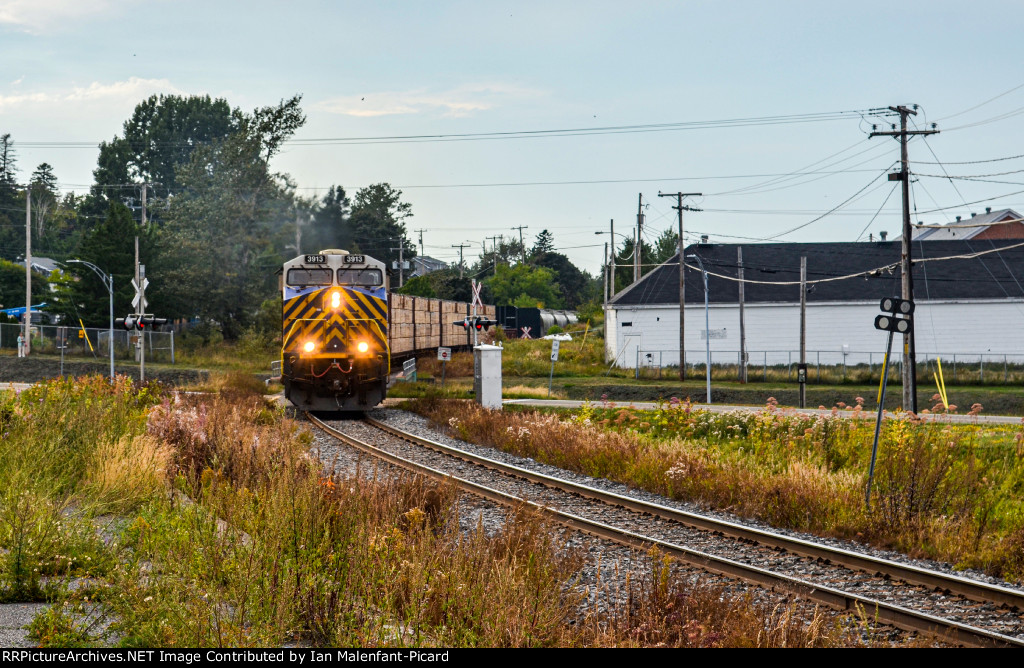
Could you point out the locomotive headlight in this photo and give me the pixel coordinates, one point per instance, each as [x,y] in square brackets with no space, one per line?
[309,347]
[336,299]
[363,346]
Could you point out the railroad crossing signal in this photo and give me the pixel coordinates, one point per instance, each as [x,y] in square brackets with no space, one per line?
[897,306]
[464,323]
[477,286]
[139,300]
[128,323]
[526,332]
[139,322]
[888,323]
[483,323]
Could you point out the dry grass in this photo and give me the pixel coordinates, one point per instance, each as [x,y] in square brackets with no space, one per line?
[940,492]
[127,473]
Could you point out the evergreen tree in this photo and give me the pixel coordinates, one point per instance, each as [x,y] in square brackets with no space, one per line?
[378,223]
[111,247]
[329,227]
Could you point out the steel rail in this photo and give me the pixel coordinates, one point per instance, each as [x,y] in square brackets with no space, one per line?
[950,584]
[880,611]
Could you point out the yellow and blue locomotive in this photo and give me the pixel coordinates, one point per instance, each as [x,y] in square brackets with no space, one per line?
[334,352]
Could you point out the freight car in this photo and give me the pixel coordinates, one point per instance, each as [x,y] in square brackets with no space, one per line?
[341,330]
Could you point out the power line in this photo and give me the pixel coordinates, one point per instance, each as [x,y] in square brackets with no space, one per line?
[522,134]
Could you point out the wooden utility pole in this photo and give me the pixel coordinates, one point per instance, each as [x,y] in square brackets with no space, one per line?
[803,326]
[906,263]
[460,247]
[494,251]
[638,244]
[743,331]
[27,320]
[521,244]
[682,279]
[606,273]
[144,205]
[612,223]
[422,252]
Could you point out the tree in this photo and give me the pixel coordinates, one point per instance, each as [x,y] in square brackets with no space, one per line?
[159,138]
[441,284]
[524,285]
[329,227]
[545,244]
[111,247]
[44,196]
[573,285]
[11,201]
[378,223]
[219,245]
[12,285]
[665,247]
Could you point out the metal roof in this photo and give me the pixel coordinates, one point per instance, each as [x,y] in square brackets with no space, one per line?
[997,275]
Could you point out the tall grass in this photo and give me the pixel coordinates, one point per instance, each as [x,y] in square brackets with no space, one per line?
[949,492]
[234,536]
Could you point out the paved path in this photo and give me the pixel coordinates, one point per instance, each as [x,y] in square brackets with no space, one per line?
[13,619]
[721,408]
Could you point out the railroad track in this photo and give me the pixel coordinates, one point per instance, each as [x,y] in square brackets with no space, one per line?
[834,573]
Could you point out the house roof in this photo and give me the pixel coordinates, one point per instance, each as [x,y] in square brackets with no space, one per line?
[773,272]
[424,264]
[971,227]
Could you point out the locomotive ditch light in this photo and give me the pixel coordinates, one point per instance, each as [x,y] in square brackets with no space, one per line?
[309,346]
[888,323]
[362,346]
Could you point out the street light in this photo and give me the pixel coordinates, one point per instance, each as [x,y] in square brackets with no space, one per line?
[707,327]
[108,280]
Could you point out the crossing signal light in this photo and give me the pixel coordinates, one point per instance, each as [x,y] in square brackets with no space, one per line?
[464,323]
[137,322]
[898,306]
[483,324]
[888,323]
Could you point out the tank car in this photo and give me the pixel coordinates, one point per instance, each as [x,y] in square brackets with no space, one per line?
[334,352]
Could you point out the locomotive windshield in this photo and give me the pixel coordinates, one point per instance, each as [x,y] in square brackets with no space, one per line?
[303,276]
[360,277]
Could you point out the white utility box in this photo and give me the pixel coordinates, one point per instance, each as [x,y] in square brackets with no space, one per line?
[487,375]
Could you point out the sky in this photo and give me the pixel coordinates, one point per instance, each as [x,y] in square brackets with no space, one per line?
[809,78]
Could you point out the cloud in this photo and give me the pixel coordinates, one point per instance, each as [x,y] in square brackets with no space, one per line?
[37,16]
[128,92]
[458,102]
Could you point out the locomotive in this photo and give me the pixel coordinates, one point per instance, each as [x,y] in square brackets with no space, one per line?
[335,354]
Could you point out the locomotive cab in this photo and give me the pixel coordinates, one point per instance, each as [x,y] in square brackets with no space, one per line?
[334,353]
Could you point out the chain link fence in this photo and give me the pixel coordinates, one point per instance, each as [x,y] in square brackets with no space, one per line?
[836,366]
[90,342]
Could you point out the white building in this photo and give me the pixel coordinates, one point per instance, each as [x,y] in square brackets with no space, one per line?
[970,306]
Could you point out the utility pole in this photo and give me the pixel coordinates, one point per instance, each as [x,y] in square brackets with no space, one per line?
[606,273]
[28,269]
[682,279]
[422,252]
[144,205]
[460,247]
[743,331]
[637,268]
[803,326]
[494,251]
[906,263]
[612,223]
[521,244]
